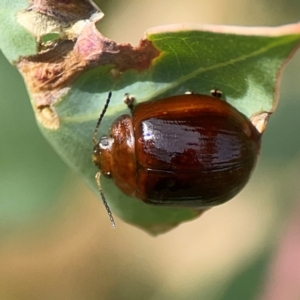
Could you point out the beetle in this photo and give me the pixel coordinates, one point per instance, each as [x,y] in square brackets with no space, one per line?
[190,150]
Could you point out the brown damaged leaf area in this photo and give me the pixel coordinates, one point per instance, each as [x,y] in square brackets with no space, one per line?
[63,18]
[64,10]
[50,74]
[260,121]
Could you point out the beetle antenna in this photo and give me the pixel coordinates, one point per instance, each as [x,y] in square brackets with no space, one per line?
[113,224]
[100,119]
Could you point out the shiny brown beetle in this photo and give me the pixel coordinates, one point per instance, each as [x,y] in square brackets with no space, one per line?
[187,150]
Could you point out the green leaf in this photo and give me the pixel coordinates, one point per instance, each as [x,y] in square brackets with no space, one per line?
[15,41]
[69,80]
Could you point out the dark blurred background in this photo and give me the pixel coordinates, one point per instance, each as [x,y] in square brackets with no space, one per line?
[55,238]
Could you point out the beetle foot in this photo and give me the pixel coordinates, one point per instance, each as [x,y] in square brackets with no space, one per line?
[216,93]
[129,101]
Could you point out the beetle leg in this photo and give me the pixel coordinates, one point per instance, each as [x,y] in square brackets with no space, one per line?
[216,93]
[129,101]
[97,177]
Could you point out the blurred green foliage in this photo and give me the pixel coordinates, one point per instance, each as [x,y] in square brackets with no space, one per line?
[30,171]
